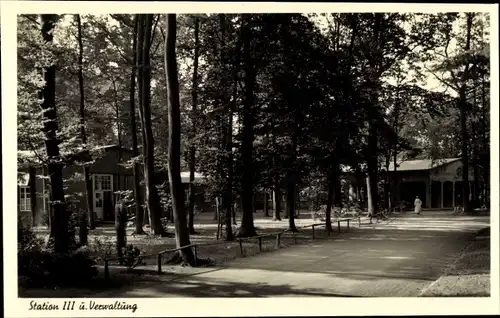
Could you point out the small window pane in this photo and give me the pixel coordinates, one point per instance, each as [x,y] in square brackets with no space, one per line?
[24,199]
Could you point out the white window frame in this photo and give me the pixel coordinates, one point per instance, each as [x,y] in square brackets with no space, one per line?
[25,199]
[97,189]
[97,186]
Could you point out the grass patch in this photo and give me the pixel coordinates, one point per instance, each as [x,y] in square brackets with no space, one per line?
[468,276]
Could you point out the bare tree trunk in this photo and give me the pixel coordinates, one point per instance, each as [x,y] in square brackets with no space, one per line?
[174,142]
[266,205]
[374,118]
[475,154]
[290,202]
[32,182]
[463,124]
[486,169]
[329,201]
[152,197]
[139,213]
[192,150]
[372,171]
[120,228]
[465,155]
[247,227]
[337,200]
[277,199]
[58,214]
[369,197]
[86,169]
[229,199]
[395,190]
[216,211]
[139,66]
[229,183]
[292,176]
[387,195]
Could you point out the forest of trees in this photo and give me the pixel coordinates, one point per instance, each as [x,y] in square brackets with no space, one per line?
[266,103]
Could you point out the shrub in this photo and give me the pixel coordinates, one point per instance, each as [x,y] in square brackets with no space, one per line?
[132,256]
[31,254]
[72,268]
[42,265]
[100,249]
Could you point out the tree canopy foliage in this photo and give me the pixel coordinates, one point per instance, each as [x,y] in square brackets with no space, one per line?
[258,103]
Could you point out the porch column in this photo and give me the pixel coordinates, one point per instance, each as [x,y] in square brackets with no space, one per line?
[442,195]
[453,196]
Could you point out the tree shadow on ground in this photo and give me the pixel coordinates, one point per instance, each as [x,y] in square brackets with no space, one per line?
[201,287]
[362,255]
[173,285]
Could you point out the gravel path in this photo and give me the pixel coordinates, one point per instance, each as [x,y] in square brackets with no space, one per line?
[394,259]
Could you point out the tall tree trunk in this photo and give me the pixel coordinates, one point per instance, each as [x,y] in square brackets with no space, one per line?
[463,124]
[120,228]
[119,155]
[192,150]
[394,180]
[247,227]
[373,115]
[387,181]
[465,155]
[290,201]
[139,213]
[337,200]
[229,198]
[174,142]
[216,211]
[266,205]
[395,194]
[86,169]
[292,179]
[58,214]
[485,162]
[329,201]
[369,197]
[140,82]
[32,182]
[229,206]
[277,199]
[475,154]
[152,197]
[372,163]
[228,131]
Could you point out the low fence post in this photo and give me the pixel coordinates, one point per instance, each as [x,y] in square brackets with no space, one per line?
[106,270]
[278,240]
[159,263]
[241,247]
[348,225]
[260,244]
[195,256]
[338,226]
[294,237]
[313,231]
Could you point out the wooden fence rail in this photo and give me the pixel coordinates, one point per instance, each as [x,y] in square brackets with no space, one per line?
[240,241]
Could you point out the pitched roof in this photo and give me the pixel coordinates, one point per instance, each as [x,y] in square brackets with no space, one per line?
[422,164]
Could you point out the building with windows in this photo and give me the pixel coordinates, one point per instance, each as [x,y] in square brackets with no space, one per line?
[438,183]
[107,174]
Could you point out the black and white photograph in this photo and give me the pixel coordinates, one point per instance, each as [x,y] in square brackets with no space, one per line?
[237,154]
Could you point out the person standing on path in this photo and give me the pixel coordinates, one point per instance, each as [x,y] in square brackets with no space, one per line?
[418,205]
